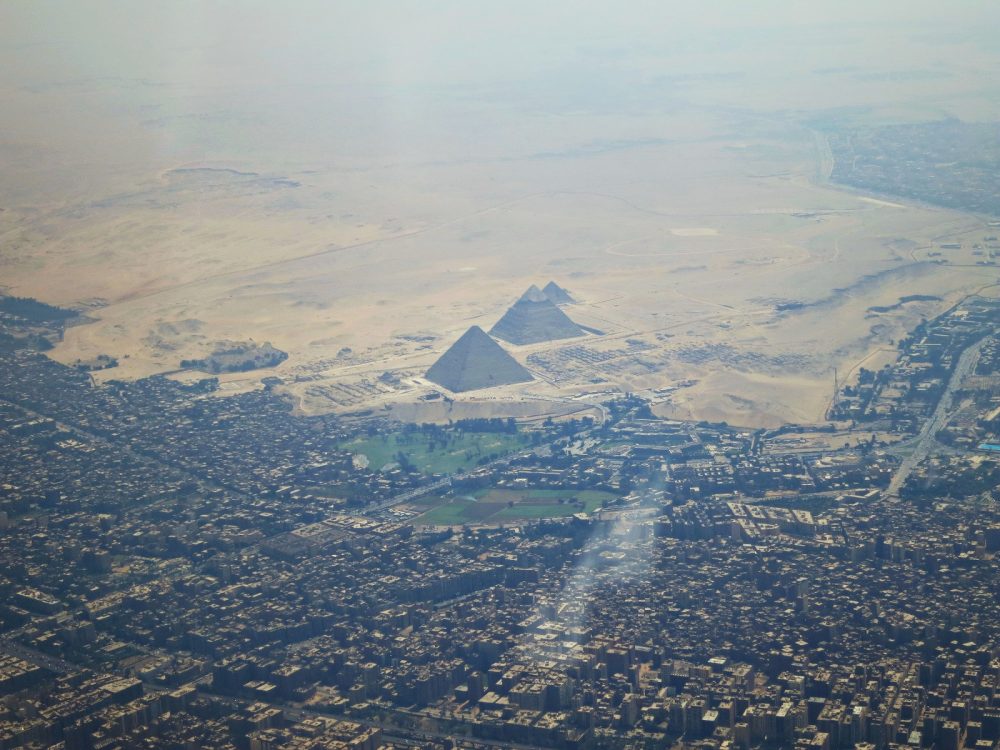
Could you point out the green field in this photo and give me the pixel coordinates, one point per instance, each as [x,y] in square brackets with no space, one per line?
[435,454]
[502,505]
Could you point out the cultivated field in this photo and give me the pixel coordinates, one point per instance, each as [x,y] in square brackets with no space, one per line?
[498,506]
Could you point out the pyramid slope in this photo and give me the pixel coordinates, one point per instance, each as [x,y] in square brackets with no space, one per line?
[534,318]
[476,361]
[533,294]
[556,294]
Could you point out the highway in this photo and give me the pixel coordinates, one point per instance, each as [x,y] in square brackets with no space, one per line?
[925,441]
[51,663]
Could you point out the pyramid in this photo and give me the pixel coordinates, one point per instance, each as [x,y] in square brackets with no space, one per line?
[556,294]
[476,361]
[534,318]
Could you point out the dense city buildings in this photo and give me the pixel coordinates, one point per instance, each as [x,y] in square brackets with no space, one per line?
[188,570]
[500,376]
[945,162]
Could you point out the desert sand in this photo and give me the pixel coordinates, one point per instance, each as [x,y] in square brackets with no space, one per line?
[759,307]
[361,224]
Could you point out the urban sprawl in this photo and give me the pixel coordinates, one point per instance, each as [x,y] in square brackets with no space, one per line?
[187,570]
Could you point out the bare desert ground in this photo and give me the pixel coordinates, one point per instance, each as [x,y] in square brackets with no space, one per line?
[756,287]
[362,225]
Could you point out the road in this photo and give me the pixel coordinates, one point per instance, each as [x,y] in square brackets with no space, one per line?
[51,663]
[297,713]
[925,442]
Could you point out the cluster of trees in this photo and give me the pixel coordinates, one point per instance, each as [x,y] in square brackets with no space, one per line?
[404,462]
[33,310]
[9,343]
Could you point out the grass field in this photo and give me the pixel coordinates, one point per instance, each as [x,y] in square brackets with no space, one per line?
[502,505]
[433,454]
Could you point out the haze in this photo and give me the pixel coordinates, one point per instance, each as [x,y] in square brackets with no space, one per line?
[357,183]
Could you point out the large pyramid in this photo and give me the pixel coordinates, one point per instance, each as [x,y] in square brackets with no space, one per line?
[476,361]
[535,318]
[556,294]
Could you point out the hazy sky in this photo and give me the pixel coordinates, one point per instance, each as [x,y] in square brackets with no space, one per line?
[111,82]
[383,42]
[491,139]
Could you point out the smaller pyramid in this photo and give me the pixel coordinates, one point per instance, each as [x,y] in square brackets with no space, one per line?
[534,318]
[476,361]
[533,294]
[556,294]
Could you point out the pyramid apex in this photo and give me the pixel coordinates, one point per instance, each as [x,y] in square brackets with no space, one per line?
[533,294]
[534,318]
[556,294]
[476,361]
